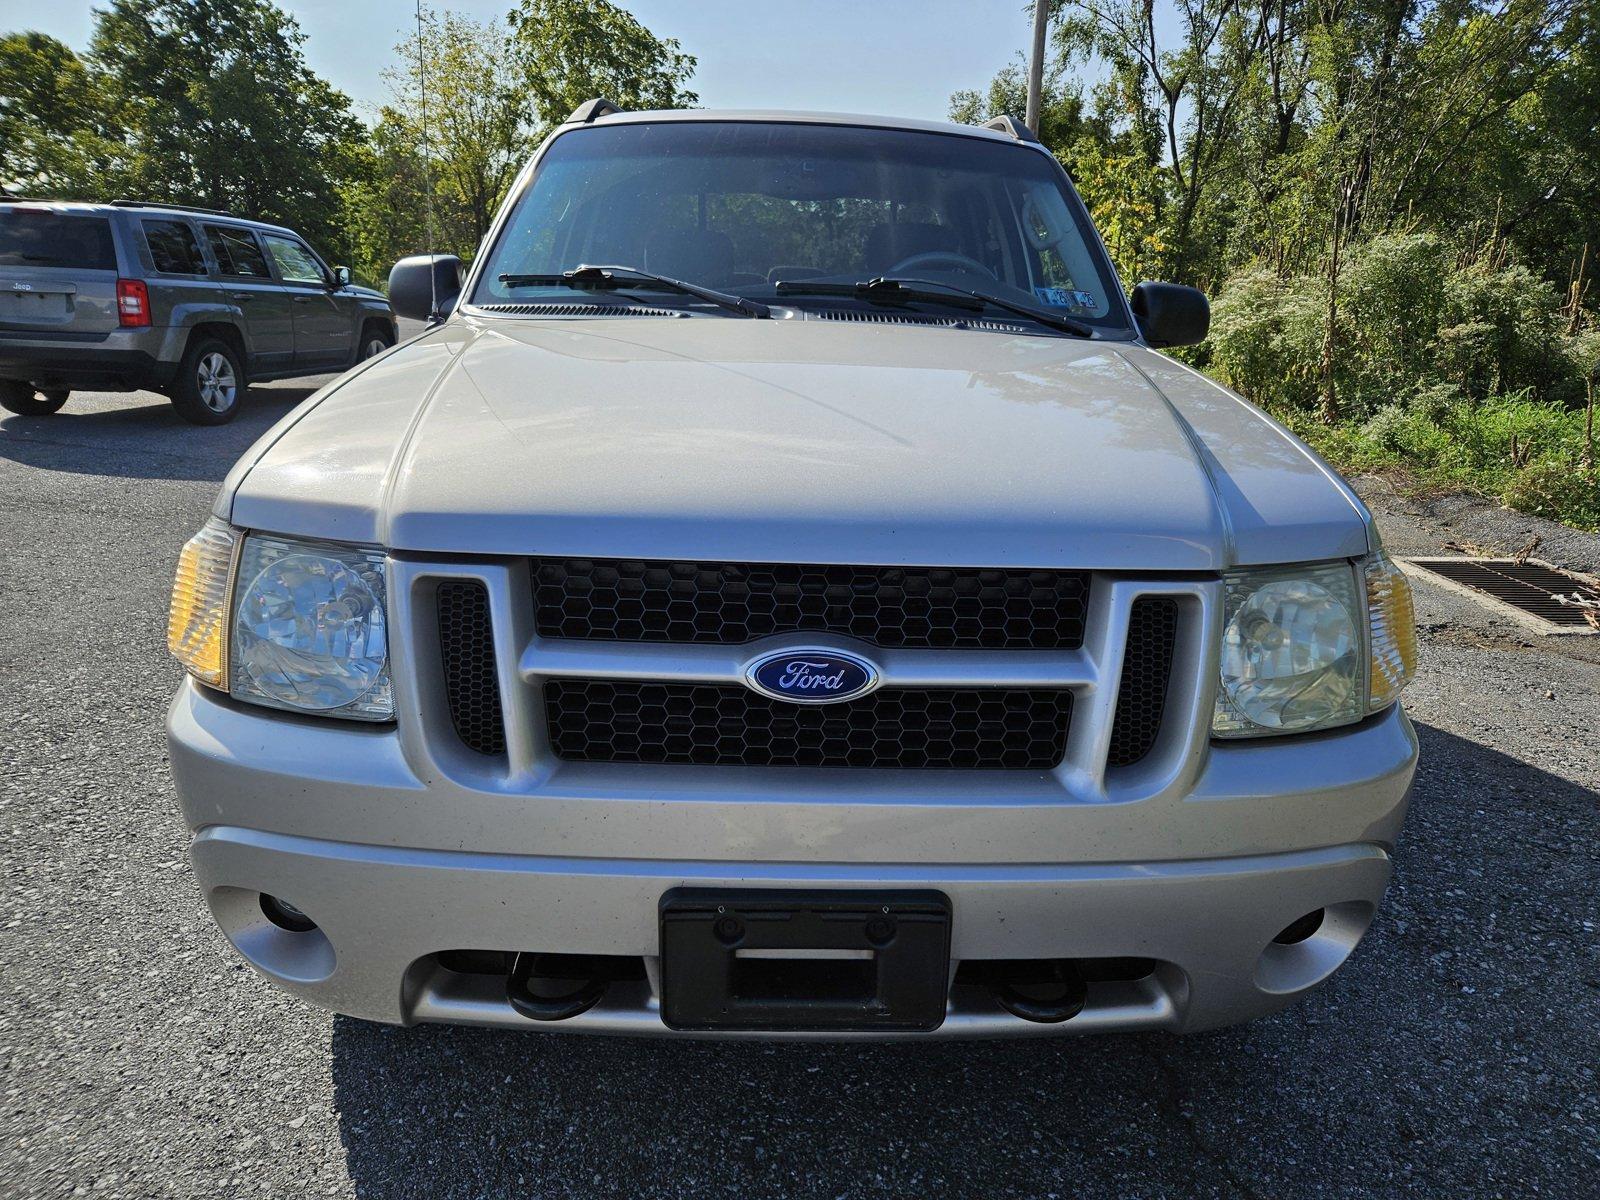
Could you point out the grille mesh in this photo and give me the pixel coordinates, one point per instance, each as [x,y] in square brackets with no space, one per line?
[1146,669]
[729,603]
[466,644]
[721,725]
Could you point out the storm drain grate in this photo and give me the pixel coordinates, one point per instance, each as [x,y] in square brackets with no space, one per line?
[1540,591]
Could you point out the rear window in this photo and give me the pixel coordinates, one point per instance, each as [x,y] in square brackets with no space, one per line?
[236,252]
[173,250]
[31,237]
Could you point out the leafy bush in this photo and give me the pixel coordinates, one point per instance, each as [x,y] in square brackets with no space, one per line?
[1458,368]
[1557,490]
[1499,330]
[1266,338]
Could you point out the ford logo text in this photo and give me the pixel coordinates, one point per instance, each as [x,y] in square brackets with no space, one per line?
[811,676]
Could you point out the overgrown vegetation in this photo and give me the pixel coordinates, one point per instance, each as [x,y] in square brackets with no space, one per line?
[1394,205]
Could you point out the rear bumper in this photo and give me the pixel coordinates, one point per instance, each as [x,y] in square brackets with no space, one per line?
[397,864]
[106,362]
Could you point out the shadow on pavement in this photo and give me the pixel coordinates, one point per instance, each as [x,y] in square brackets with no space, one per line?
[1442,1059]
[139,436]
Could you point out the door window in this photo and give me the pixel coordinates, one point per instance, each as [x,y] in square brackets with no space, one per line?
[296,264]
[236,252]
[173,249]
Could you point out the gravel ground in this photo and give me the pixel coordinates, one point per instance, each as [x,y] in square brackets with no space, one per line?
[1453,1056]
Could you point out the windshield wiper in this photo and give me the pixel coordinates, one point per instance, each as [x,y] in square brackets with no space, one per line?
[894,290]
[613,278]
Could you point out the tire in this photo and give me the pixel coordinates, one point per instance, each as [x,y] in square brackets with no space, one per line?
[375,339]
[210,385]
[20,398]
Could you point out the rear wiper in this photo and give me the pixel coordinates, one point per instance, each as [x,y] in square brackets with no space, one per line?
[884,290]
[613,278]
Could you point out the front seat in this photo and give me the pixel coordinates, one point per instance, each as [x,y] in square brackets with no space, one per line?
[689,253]
[887,245]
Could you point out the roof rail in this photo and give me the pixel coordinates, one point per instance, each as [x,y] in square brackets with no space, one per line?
[591,110]
[210,212]
[1006,123]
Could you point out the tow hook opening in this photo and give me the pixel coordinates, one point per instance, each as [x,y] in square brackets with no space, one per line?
[557,987]
[1045,990]
[285,915]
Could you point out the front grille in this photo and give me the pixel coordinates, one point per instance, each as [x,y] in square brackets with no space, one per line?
[721,725]
[729,603]
[466,645]
[1146,670]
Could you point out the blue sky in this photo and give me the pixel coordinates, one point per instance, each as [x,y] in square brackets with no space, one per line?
[900,57]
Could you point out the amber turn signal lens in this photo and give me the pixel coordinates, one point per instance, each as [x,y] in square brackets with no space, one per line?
[1392,634]
[197,623]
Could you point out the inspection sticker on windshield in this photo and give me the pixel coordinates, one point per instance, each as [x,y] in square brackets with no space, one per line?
[1065,297]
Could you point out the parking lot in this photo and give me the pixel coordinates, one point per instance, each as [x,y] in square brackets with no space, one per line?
[1453,1056]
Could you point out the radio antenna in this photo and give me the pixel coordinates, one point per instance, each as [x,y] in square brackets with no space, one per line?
[427,167]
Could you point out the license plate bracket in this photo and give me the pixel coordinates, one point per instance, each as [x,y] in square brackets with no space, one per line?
[803,961]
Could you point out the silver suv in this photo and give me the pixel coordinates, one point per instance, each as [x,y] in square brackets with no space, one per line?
[787,592]
[192,303]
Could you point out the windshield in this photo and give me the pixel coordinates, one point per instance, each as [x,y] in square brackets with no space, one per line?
[741,206]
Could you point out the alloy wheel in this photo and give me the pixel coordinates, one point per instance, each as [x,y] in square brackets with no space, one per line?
[218,387]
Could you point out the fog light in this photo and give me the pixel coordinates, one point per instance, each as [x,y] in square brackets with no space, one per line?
[1300,930]
[285,915]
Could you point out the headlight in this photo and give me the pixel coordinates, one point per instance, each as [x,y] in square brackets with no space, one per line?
[1292,653]
[309,629]
[294,625]
[1312,647]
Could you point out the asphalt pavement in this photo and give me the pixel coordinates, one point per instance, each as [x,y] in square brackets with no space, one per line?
[1455,1055]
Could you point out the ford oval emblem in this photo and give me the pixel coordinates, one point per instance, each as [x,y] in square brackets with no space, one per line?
[808,676]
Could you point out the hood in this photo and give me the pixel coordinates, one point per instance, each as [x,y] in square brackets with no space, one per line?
[797,440]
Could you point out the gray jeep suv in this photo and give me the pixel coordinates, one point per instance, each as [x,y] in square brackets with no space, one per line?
[188,302]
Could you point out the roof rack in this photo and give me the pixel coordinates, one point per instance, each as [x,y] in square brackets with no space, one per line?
[592,110]
[210,212]
[1006,123]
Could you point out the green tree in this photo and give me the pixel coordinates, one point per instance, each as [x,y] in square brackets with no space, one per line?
[385,201]
[477,115]
[60,131]
[223,112]
[574,50]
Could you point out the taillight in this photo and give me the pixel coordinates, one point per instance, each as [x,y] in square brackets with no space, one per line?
[133,303]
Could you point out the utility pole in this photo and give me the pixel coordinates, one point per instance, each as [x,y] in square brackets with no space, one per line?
[1041,20]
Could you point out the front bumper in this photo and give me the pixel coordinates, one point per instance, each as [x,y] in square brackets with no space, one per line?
[398,863]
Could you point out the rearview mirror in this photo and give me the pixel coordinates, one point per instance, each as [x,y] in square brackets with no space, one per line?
[425,287]
[341,276]
[1171,314]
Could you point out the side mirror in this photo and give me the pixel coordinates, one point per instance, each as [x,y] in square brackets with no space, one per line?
[425,287]
[1171,314]
[341,277]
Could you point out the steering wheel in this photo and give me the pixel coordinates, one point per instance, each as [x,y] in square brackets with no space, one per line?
[937,260]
